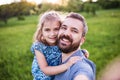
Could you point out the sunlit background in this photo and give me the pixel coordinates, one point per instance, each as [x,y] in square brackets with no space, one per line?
[34,1]
[18,21]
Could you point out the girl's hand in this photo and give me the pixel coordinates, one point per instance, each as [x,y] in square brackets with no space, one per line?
[86,53]
[72,61]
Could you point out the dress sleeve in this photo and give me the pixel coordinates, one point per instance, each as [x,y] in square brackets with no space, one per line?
[37,46]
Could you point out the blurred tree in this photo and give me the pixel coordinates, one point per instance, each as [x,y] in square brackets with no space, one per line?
[5,12]
[75,5]
[90,7]
[49,6]
[23,0]
[108,4]
[64,2]
[15,9]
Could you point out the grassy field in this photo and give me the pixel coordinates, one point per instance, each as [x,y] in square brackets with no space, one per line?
[103,42]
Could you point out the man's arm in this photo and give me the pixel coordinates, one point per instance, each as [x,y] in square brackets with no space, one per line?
[83,71]
[81,77]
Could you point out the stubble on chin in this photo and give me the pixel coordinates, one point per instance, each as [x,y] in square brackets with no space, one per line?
[68,48]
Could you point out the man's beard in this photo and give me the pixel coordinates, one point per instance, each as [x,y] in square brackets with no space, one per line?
[69,48]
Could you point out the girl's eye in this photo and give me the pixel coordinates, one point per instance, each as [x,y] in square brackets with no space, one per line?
[47,29]
[57,29]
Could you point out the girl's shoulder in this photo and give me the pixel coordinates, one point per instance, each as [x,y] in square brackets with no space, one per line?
[43,48]
[38,46]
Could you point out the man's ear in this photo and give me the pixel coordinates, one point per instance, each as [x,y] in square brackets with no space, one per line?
[82,40]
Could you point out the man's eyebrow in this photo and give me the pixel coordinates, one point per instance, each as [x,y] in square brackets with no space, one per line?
[75,28]
[64,25]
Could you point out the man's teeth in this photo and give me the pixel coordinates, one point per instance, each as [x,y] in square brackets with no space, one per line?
[65,39]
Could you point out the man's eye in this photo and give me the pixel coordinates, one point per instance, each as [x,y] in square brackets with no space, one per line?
[75,31]
[64,28]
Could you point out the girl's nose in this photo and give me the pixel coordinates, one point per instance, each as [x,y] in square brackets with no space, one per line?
[52,33]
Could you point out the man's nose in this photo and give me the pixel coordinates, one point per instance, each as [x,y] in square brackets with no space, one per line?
[67,32]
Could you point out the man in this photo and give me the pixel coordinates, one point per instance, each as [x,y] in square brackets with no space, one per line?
[71,37]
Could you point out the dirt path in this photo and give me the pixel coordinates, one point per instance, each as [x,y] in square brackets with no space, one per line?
[112,71]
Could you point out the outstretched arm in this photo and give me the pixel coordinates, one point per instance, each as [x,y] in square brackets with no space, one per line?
[81,77]
[53,70]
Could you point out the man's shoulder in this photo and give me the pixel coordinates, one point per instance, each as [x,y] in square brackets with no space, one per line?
[91,63]
[84,61]
[84,67]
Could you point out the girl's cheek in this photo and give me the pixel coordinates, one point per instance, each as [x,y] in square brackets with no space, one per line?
[57,32]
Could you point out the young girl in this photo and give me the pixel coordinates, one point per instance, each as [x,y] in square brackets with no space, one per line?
[45,49]
[47,55]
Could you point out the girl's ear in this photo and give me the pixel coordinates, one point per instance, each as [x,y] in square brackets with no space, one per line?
[42,38]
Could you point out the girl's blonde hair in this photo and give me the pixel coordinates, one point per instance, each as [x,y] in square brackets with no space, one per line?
[47,16]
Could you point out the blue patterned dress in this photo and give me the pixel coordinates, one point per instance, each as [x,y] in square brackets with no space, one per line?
[53,58]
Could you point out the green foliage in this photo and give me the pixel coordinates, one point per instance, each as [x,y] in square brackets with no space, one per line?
[5,12]
[103,38]
[15,9]
[21,8]
[48,6]
[75,5]
[102,41]
[21,18]
[109,4]
[15,42]
[91,7]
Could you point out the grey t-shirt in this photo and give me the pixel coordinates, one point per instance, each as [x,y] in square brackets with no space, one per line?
[84,66]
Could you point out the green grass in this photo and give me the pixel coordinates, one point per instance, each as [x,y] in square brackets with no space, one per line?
[103,38]
[102,41]
[15,42]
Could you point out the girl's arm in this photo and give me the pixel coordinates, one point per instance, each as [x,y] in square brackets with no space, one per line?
[53,70]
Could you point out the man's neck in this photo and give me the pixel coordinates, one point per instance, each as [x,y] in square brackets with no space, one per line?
[66,56]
